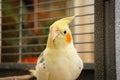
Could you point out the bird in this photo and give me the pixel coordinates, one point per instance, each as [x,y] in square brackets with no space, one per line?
[59,60]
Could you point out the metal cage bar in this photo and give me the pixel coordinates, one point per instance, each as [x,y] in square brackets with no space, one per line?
[105,40]
[20,46]
[100,40]
[21,22]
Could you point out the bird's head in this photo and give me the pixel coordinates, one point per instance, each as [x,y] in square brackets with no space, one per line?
[60,34]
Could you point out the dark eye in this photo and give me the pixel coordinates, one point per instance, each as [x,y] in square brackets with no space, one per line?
[65,32]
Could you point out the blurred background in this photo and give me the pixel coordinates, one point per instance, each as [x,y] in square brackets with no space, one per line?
[25,27]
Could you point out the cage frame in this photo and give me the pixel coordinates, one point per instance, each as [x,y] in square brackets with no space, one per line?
[105,68]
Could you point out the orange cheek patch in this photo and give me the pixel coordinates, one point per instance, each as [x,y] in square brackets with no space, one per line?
[68,37]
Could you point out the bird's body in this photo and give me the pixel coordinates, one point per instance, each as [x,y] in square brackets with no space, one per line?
[59,61]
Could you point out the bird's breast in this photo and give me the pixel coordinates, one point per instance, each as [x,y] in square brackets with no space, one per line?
[64,63]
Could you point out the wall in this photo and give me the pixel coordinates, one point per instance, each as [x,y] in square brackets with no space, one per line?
[117,17]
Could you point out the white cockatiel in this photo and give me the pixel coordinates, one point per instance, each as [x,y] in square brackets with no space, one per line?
[59,61]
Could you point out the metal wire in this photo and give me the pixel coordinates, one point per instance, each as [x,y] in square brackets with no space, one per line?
[44,28]
[53,10]
[22,33]
[30,5]
[38,53]
[46,19]
[43,36]
[41,44]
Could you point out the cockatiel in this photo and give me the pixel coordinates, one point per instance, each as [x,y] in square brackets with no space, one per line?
[59,61]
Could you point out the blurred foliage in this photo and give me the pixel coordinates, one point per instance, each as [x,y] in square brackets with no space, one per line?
[11,18]
[10,29]
[12,12]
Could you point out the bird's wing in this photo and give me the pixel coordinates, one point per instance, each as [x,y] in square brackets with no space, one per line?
[40,58]
[41,72]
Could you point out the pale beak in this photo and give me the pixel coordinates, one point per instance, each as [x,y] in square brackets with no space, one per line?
[54,33]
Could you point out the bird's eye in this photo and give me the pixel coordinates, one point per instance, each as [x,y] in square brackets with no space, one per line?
[65,32]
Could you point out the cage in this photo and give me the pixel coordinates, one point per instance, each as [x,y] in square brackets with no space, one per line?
[25,26]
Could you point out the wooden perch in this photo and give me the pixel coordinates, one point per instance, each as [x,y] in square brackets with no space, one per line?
[23,77]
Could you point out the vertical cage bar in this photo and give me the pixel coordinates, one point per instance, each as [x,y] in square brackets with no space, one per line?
[71,10]
[20,32]
[110,72]
[99,40]
[36,13]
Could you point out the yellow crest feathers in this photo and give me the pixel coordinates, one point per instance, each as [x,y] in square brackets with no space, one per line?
[62,21]
[67,20]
